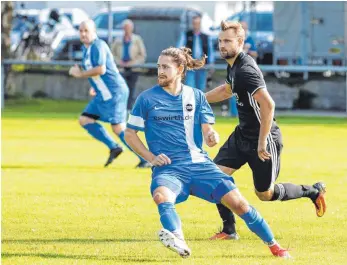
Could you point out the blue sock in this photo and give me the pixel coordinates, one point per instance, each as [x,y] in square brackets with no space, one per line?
[258,225]
[170,219]
[99,133]
[121,137]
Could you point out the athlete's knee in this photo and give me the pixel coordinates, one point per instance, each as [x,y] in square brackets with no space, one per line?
[118,128]
[265,195]
[227,170]
[83,120]
[161,195]
[235,202]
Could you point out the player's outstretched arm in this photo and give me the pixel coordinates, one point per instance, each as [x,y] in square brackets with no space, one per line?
[138,147]
[219,93]
[136,144]
[267,110]
[210,135]
[76,71]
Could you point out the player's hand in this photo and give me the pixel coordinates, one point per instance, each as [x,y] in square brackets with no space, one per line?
[262,152]
[75,71]
[92,92]
[212,138]
[161,160]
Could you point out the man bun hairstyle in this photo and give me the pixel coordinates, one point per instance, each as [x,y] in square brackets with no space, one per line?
[183,56]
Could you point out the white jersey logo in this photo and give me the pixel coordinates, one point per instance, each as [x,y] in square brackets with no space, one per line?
[237,99]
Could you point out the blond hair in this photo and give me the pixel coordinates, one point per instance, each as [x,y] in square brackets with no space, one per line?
[182,56]
[236,26]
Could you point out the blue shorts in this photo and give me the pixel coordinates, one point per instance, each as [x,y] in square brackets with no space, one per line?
[113,111]
[203,180]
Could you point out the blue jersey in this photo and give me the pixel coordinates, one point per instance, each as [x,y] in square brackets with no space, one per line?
[172,124]
[249,40]
[109,84]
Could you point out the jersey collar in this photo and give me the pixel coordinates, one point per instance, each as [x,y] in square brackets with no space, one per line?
[91,42]
[239,57]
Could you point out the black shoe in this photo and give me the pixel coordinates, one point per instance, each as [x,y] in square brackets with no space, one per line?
[144,164]
[114,153]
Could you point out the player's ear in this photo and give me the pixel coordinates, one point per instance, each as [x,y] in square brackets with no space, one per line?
[181,69]
[241,41]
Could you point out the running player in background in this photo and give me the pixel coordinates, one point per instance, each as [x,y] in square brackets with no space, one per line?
[111,92]
[176,118]
[257,140]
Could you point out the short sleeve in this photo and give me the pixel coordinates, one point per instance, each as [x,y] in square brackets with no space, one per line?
[98,55]
[138,115]
[250,78]
[206,113]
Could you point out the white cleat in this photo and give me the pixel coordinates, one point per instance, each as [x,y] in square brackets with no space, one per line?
[174,243]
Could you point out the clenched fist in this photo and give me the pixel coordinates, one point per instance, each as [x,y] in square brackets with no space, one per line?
[212,138]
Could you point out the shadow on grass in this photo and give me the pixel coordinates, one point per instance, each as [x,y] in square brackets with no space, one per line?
[122,258]
[57,166]
[96,241]
[125,258]
[74,240]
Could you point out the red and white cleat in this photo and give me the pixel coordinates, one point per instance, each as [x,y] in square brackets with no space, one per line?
[278,251]
[225,236]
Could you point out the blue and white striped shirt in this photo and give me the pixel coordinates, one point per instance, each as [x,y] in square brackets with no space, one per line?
[109,84]
[172,124]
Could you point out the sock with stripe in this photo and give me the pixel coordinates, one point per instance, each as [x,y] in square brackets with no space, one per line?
[100,134]
[122,138]
[257,224]
[289,191]
[170,219]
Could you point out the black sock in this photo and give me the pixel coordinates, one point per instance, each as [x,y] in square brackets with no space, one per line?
[228,219]
[288,191]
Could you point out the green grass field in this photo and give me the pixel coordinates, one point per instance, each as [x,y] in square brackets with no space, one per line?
[60,206]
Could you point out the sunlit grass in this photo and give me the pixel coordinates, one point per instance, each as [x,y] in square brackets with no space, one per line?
[60,206]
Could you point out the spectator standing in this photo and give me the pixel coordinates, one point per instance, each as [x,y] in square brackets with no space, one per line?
[201,45]
[127,52]
[249,46]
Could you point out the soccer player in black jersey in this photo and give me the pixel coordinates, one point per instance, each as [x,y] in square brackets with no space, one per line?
[257,140]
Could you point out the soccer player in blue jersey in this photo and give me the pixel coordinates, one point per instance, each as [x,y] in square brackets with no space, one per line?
[110,102]
[176,119]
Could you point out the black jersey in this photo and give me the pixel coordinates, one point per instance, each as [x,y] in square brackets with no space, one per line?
[245,78]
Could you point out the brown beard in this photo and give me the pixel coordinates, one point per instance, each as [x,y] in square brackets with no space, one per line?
[229,55]
[164,83]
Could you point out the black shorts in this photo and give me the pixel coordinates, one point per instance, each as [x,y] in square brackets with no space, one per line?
[238,150]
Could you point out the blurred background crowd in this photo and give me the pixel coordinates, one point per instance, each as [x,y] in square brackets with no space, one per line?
[294,34]
[46,31]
